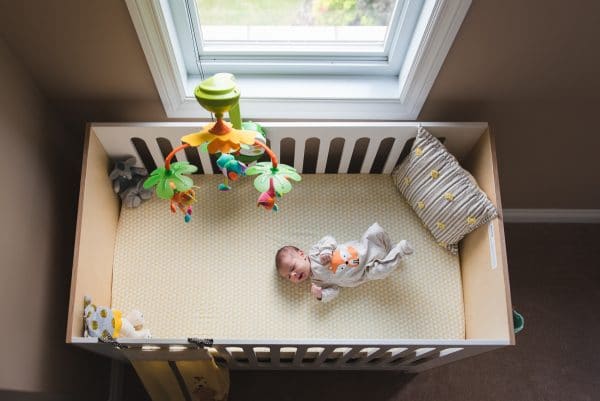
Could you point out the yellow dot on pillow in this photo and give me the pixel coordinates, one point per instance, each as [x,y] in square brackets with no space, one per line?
[103,313]
[418,151]
[421,204]
[435,174]
[449,196]
[442,244]
[471,220]
[440,225]
[94,325]
[407,180]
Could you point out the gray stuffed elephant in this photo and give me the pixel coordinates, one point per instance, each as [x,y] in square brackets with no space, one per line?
[128,182]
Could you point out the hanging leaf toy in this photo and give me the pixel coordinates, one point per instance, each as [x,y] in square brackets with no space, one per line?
[174,174]
[172,183]
[280,174]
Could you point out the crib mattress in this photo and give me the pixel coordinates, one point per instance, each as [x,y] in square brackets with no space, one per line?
[215,276]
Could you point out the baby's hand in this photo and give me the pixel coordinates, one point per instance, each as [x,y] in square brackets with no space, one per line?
[316,291]
[325,258]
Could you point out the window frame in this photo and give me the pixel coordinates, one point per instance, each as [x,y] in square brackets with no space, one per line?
[319,59]
[359,96]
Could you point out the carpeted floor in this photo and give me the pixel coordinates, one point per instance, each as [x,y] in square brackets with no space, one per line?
[555,284]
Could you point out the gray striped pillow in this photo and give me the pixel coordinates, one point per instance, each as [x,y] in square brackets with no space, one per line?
[444,195]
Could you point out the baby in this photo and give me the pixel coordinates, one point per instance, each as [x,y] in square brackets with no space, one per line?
[331,266]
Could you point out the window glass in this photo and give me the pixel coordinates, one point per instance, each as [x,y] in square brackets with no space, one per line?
[295,23]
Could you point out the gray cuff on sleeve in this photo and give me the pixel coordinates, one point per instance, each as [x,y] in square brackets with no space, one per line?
[329,293]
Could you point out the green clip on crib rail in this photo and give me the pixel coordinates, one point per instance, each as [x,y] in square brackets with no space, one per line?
[518,321]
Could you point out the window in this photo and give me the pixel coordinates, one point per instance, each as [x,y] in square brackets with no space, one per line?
[309,59]
[308,37]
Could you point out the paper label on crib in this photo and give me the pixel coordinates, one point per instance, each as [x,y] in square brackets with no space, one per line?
[492,237]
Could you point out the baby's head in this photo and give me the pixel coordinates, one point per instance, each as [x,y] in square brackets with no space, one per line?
[292,264]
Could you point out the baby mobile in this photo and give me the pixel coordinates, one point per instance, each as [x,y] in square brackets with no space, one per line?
[236,143]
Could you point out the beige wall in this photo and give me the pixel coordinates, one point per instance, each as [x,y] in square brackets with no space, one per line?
[36,215]
[532,70]
[547,151]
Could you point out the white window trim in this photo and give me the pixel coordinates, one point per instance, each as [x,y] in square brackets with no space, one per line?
[293,97]
[329,58]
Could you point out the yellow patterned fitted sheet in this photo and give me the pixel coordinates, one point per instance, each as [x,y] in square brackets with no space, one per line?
[215,277]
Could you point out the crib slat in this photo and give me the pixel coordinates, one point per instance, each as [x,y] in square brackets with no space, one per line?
[460,353]
[394,155]
[346,155]
[155,152]
[276,146]
[399,359]
[224,354]
[328,350]
[181,156]
[349,355]
[300,352]
[299,154]
[133,150]
[375,355]
[205,160]
[275,356]
[400,356]
[370,156]
[420,354]
[324,146]
[249,353]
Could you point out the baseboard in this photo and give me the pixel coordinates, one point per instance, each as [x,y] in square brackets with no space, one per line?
[551,215]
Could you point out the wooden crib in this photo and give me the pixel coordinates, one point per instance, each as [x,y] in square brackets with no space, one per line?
[335,148]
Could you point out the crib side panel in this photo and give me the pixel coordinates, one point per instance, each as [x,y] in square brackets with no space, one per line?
[486,291]
[97,219]
[311,147]
[407,355]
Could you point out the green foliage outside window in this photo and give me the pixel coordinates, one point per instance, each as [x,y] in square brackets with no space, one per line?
[352,12]
[295,12]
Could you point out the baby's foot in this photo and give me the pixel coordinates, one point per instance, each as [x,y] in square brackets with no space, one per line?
[405,247]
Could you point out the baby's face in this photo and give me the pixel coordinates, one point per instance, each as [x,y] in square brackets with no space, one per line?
[295,266]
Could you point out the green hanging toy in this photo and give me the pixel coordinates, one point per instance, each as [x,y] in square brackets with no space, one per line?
[252,153]
[237,143]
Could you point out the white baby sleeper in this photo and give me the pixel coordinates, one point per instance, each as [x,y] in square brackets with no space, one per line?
[371,258]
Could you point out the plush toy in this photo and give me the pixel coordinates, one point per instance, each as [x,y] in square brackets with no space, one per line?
[183,201]
[267,199]
[135,194]
[103,322]
[128,182]
[231,168]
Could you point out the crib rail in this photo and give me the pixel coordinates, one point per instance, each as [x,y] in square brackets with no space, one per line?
[310,147]
[413,356]
[319,356]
